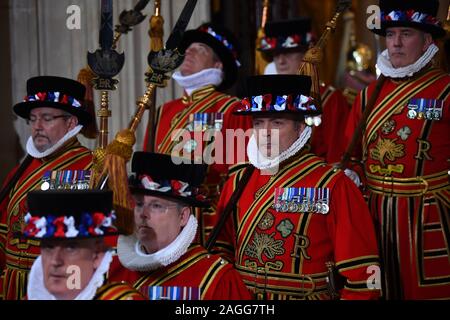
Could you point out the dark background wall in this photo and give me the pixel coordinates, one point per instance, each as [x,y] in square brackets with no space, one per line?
[10,149]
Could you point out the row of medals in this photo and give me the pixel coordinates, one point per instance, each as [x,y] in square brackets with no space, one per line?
[320,206]
[66,179]
[202,122]
[425,108]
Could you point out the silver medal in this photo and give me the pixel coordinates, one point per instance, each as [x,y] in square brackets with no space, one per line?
[190,145]
[412,114]
[45,186]
[325,208]
[319,207]
[292,207]
[277,206]
[436,115]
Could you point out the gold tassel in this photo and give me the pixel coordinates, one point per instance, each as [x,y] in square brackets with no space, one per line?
[118,153]
[260,58]
[309,67]
[98,160]
[156,33]
[314,56]
[85,77]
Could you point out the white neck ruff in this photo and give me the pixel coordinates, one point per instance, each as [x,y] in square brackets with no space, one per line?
[388,70]
[36,289]
[35,153]
[206,77]
[271,68]
[131,256]
[262,163]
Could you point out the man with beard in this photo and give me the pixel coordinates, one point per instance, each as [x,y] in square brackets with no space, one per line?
[161,259]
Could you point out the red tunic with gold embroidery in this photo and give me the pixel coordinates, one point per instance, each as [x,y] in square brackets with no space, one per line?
[117,291]
[406,160]
[198,269]
[17,255]
[177,115]
[283,255]
[326,140]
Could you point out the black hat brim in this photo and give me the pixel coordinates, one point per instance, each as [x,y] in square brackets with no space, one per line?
[277,113]
[435,31]
[23,109]
[169,196]
[230,69]
[272,52]
[20,235]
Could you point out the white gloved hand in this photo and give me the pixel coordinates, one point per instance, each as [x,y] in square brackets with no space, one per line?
[353,176]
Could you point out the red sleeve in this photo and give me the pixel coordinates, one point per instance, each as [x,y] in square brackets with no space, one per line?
[3,220]
[352,123]
[229,286]
[327,141]
[354,118]
[352,231]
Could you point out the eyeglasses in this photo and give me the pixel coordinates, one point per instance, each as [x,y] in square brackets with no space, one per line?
[46,118]
[153,207]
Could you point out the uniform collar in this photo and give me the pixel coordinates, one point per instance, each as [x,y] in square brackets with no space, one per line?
[57,147]
[203,78]
[198,94]
[271,166]
[388,70]
[36,289]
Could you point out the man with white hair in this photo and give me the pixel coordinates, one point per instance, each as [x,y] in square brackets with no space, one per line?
[54,109]
[161,258]
[406,153]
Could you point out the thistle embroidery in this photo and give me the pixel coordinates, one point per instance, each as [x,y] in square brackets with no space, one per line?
[387,148]
[264,244]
